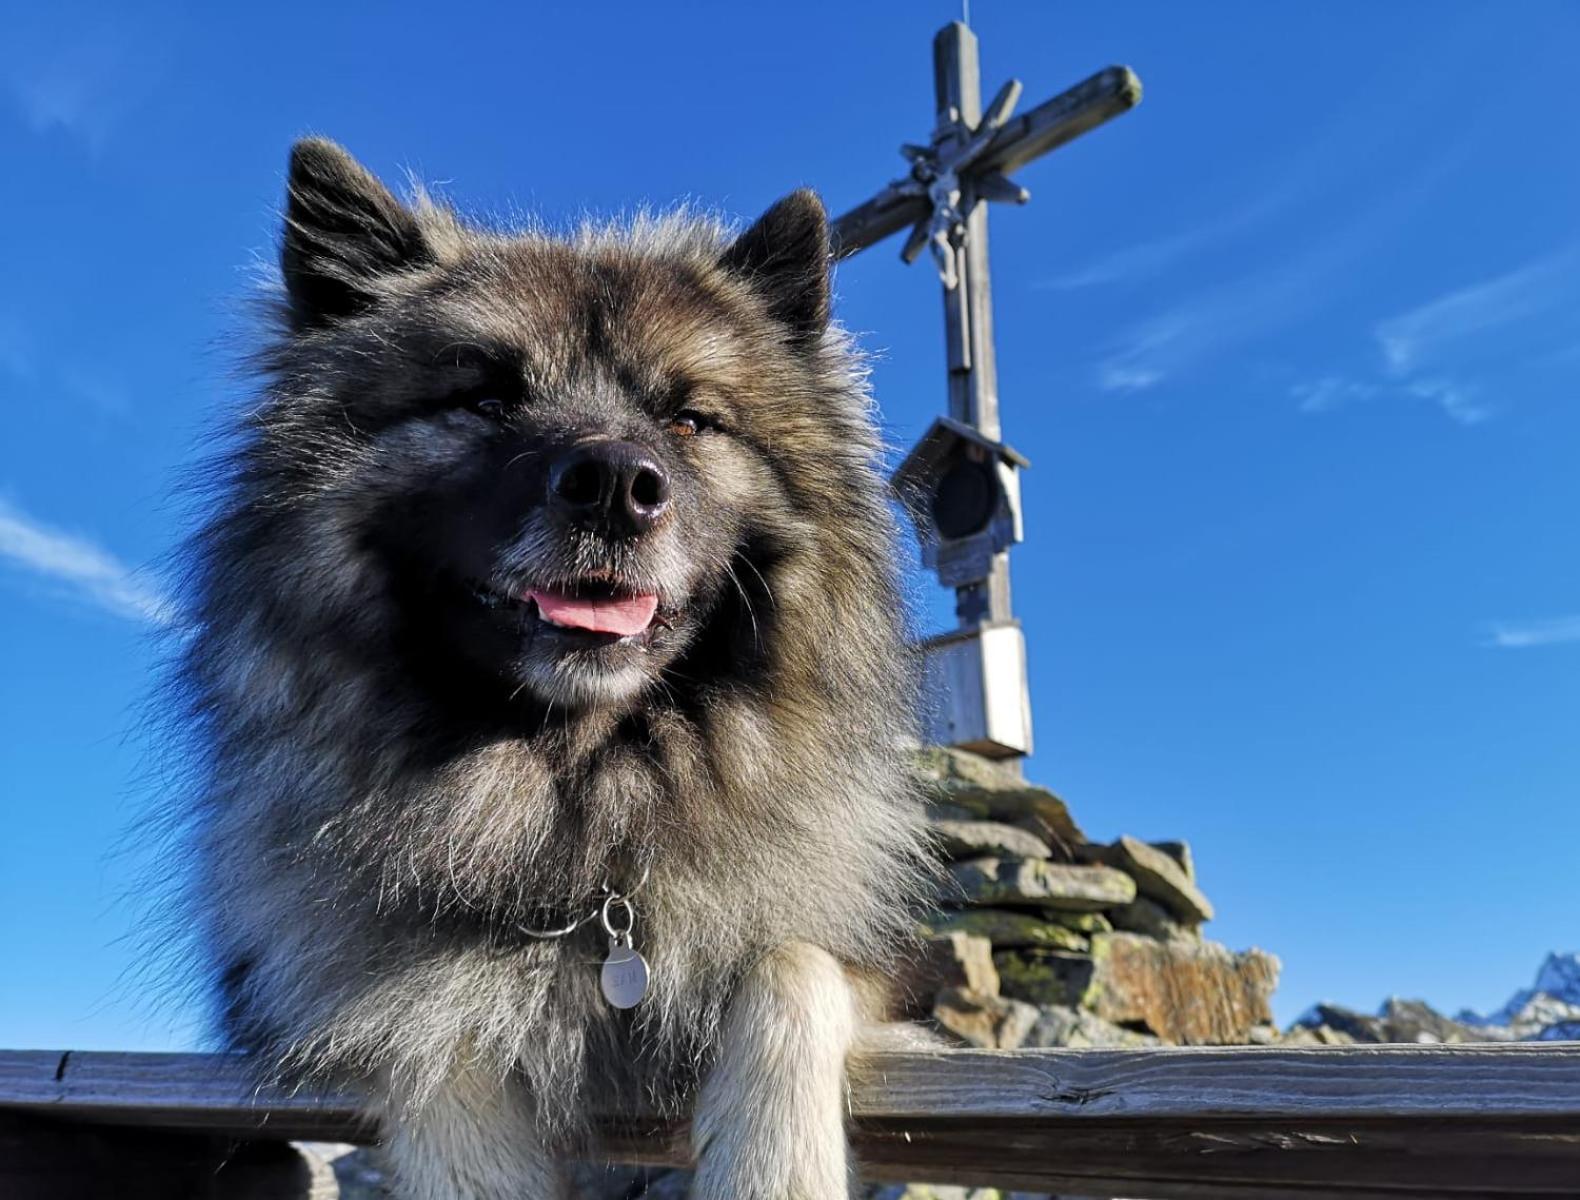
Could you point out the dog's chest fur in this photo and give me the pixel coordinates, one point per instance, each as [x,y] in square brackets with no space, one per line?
[416,893]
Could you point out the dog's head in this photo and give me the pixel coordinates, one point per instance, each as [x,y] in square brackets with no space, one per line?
[542,468]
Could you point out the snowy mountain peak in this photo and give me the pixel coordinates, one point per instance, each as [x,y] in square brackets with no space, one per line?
[1560,977]
[1549,1011]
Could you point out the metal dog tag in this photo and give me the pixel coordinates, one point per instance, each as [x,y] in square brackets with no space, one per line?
[624,976]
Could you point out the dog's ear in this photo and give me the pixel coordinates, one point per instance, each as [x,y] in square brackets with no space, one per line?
[343,229]
[785,257]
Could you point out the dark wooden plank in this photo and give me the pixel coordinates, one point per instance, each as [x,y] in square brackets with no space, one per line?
[209,1092]
[1163,1160]
[213,1092]
[1174,1124]
[1307,1083]
[1199,1160]
[42,1159]
[1066,117]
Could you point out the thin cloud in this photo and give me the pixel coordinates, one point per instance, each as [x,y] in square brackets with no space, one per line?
[1313,261]
[1447,350]
[1117,377]
[1149,352]
[96,390]
[1454,324]
[1523,635]
[72,381]
[1288,182]
[85,570]
[1216,320]
[1207,324]
[1286,185]
[85,89]
[1332,392]
[1142,261]
[1460,401]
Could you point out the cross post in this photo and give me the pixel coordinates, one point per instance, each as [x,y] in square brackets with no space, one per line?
[961,481]
[968,306]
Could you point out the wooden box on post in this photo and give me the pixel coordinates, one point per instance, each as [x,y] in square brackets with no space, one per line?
[962,489]
[975,687]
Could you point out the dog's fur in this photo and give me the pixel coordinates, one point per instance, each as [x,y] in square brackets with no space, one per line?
[396,782]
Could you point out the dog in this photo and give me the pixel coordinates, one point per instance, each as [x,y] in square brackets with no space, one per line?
[551,690]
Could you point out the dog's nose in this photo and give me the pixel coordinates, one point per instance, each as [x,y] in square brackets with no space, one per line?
[615,485]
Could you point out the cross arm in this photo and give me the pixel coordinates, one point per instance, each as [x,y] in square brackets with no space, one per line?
[1068,115]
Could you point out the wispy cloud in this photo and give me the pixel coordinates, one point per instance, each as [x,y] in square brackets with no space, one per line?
[1449,350]
[1328,393]
[97,390]
[85,88]
[1215,320]
[1295,177]
[1293,238]
[1522,635]
[71,380]
[1332,392]
[1457,323]
[1147,353]
[1148,259]
[1302,280]
[1460,400]
[82,568]
[1446,349]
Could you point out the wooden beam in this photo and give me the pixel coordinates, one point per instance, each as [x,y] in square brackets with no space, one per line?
[968,321]
[1252,1082]
[1174,1124]
[1064,118]
[211,1093]
[41,1159]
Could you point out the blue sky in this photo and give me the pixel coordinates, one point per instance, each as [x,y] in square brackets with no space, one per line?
[1293,348]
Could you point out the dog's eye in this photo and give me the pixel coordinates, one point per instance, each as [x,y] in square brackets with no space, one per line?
[491,407]
[688,423]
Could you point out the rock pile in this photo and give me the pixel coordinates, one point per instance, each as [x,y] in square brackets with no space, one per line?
[1043,938]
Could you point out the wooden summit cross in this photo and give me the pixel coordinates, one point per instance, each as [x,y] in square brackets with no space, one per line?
[961,479]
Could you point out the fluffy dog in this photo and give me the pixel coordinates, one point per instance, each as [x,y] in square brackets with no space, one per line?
[549,589]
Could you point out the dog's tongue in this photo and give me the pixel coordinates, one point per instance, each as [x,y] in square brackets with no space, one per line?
[622,615]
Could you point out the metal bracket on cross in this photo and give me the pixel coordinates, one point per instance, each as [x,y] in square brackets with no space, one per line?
[940,173]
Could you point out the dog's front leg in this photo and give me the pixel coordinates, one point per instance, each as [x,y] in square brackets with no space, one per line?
[770,1120]
[473,1140]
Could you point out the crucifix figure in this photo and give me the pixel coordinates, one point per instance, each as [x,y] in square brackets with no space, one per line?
[961,480]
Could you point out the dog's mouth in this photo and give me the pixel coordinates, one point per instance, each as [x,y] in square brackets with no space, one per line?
[592,610]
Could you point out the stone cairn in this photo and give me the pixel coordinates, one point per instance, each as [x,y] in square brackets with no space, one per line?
[1044,938]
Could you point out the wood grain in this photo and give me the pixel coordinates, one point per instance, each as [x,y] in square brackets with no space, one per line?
[1251,1122]
[1082,108]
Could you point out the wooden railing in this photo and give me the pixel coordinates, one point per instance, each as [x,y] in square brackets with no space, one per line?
[1358,1121]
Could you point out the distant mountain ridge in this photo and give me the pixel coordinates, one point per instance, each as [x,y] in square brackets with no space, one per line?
[1547,1011]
